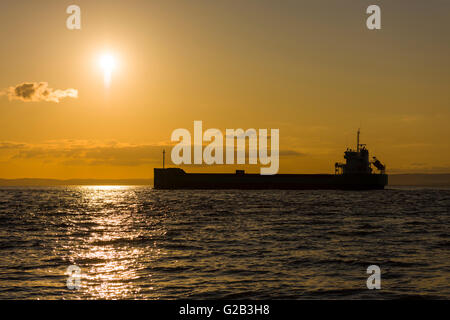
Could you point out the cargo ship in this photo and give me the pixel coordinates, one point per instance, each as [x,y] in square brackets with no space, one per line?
[355,174]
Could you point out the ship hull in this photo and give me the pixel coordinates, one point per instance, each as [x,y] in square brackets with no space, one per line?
[174,178]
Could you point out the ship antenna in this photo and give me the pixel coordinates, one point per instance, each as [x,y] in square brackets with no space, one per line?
[164,158]
[357,141]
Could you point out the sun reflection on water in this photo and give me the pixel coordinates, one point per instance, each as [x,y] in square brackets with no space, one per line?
[116,247]
[105,188]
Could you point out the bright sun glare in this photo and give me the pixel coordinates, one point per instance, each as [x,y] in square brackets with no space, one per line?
[108,64]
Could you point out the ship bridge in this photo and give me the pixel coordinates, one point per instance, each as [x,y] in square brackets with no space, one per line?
[357,161]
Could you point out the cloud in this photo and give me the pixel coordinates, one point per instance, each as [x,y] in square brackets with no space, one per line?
[11,145]
[291,153]
[38,91]
[80,152]
[95,153]
[419,167]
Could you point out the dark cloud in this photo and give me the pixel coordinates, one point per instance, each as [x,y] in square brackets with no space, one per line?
[86,153]
[418,168]
[76,153]
[291,153]
[11,145]
[38,91]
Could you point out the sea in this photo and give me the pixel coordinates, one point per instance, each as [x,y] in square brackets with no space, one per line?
[134,242]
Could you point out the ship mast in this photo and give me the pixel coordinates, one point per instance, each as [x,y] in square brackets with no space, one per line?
[357,141]
[164,158]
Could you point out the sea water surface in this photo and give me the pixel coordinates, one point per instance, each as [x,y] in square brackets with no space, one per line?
[140,243]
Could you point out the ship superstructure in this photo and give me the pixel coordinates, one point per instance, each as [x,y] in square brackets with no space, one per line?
[357,161]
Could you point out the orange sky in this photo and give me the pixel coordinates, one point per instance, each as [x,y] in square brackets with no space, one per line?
[312,70]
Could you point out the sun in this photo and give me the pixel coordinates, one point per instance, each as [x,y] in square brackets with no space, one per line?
[108,64]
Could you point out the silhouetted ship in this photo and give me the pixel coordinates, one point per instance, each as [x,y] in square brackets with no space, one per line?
[355,174]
